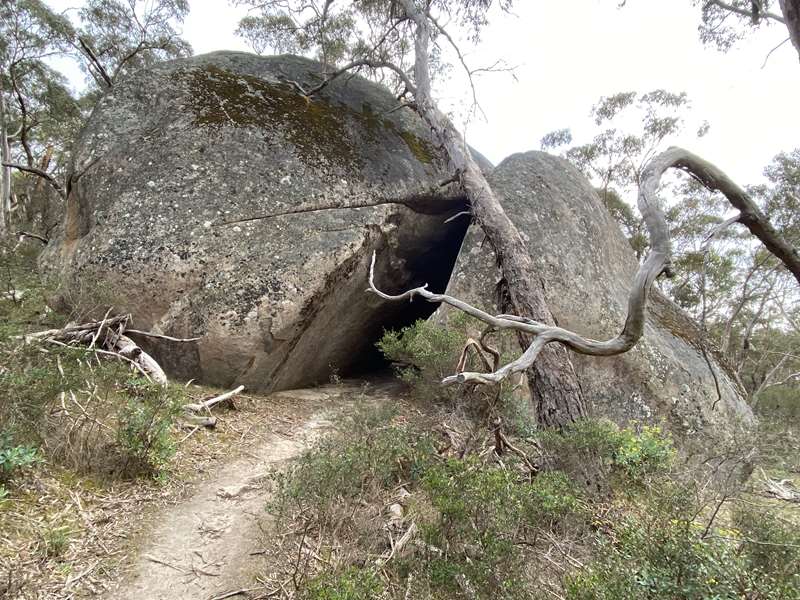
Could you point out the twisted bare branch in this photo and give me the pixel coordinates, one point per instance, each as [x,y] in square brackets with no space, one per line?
[750,215]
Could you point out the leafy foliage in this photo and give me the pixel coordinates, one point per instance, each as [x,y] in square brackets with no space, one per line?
[14,457]
[145,423]
[724,24]
[425,353]
[126,35]
[599,454]
[376,32]
[39,114]
[352,584]
[84,412]
[659,551]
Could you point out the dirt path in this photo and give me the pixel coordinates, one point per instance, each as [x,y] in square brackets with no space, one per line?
[202,547]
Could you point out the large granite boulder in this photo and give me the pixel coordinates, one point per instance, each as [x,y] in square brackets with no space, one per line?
[173,162]
[587,268]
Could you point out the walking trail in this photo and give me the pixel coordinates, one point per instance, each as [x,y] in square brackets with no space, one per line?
[207,546]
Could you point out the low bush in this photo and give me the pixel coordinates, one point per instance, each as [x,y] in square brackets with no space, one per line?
[144,424]
[14,457]
[351,584]
[483,523]
[599,453]
[474,520]
[661,550]
[370,455]
[81,410]
[425,353]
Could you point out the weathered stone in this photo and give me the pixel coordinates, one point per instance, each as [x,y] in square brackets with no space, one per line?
[586,268]
[179,153]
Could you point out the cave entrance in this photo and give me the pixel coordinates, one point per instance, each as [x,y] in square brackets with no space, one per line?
[431,262]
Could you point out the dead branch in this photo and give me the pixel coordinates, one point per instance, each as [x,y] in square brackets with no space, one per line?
[160,336]
[780,489]
[195,421]
[33,236]
[206,405]
[109,333]
[655,264]
[750,215]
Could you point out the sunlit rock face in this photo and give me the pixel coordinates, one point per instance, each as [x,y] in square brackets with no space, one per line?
[586,268]
[176,159]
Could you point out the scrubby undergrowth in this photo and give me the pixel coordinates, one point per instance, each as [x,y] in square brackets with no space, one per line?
[88,449]
[420,500]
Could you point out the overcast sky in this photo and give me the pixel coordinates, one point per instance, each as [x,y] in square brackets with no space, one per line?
[569,53]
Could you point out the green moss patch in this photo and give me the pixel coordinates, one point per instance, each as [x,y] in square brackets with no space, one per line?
[317,127]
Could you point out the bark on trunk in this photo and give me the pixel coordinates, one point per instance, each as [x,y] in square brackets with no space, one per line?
[5,173]
[791,15]
[552,378]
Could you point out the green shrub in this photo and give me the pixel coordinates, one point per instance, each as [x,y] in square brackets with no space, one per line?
[482,519]
[352,584]
[368,455]
[35,377]
[14,457]
[474,519]
[425,353]
[659,551]
[599,453]
[145,424]
[55,540]
[639,455]
[771,548]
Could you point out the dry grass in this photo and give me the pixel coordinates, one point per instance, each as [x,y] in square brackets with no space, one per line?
[66,535]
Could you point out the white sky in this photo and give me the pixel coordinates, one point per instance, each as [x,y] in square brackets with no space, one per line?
[569,53]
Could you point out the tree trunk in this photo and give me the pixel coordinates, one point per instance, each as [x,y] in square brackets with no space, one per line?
[552,379]
[791,14]
[5,173]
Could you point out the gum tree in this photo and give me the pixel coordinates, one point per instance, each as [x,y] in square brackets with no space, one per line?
[39,115]
[403,41]
[724,23]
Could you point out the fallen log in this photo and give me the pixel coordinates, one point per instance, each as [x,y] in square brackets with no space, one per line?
[104,337]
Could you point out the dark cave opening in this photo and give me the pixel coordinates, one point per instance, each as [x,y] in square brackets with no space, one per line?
[433,264]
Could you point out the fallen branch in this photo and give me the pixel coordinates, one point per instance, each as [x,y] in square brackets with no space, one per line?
[156,560]
[194,421]
[401,543]
[206,405]
[105,337]
[33,236]
[160,336]
[780,489]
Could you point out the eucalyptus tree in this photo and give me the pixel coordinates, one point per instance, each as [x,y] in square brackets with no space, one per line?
[615,158]
[32,95]
[39,115]
[120,36]
[723,23]
[402,41]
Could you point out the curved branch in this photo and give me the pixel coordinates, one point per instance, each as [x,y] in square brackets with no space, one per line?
[43,174]
[632,331]
[750,215]
[760,14]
